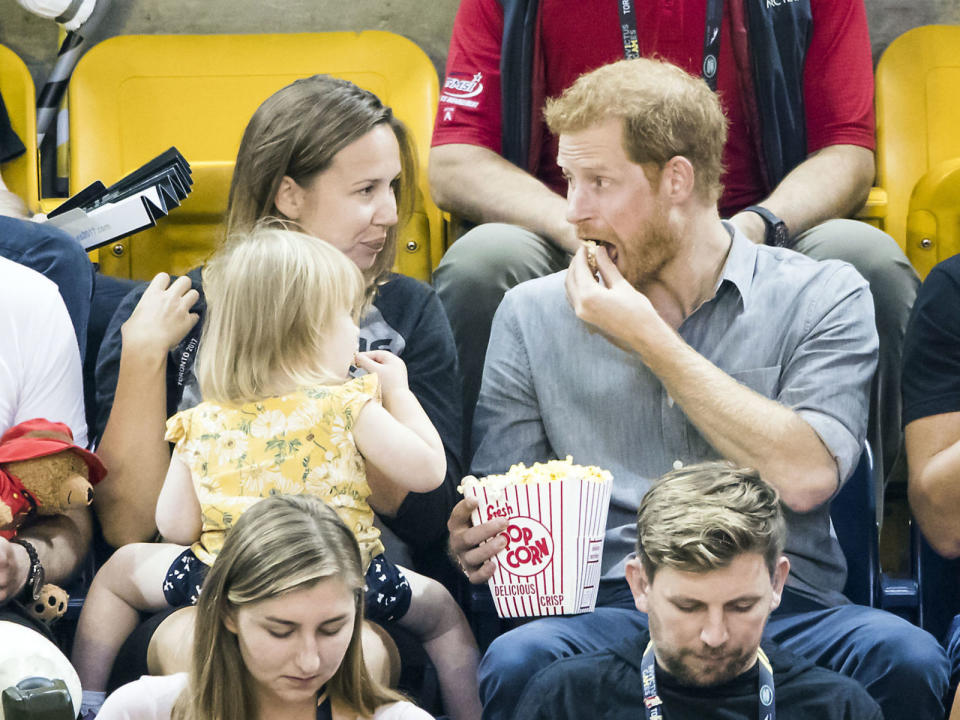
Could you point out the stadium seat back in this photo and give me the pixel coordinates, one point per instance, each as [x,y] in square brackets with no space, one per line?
[939,584]
[131,97]
[20,175]
[853,512]
[918,146]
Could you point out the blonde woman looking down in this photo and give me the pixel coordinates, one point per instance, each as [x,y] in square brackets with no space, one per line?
[278,635]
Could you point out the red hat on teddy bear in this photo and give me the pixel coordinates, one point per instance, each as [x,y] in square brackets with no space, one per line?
[38,438]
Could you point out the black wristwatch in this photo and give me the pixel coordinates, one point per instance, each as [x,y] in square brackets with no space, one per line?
[31,591]
[777,233]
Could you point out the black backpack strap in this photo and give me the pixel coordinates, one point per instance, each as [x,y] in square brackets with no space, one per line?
[516,79]
[778,51]
[181,359]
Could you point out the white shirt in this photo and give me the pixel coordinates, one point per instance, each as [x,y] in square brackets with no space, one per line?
[40,371]
[152,698]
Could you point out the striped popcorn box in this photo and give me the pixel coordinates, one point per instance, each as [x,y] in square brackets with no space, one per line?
[557,515]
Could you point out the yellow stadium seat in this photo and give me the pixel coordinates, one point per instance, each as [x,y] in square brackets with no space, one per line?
[918,143]
[20,175]
[131,97]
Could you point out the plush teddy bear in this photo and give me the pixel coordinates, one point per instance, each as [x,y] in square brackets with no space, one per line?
[43,473]
[51,485]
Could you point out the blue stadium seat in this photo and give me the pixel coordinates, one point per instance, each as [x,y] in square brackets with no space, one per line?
[854,515]
[938,581]
[929,596]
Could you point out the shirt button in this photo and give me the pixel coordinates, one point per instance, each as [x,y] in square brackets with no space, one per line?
[678,464]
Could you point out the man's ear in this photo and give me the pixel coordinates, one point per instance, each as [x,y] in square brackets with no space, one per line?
[638,582]
[289,198]
[778,580]
[677,179]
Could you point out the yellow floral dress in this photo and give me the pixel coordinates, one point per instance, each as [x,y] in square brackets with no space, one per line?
[296,443]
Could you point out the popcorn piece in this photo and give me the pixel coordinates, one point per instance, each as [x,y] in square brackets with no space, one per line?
[551,471]
[591,247]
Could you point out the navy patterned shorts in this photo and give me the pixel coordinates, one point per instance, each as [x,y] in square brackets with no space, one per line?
[387,594]
[184,579]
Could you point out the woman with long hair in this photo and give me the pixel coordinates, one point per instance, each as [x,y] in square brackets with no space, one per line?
[331,159]
[278,629]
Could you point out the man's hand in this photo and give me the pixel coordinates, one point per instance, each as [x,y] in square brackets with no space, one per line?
[162,318]
[612,306]
[14,569]
[473,547]
[390,368]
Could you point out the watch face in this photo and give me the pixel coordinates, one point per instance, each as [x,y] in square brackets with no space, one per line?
[780,236]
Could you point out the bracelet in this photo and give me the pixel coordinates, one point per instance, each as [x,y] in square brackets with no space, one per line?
[35,576]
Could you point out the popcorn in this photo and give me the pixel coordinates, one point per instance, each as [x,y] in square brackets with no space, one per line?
[557,514]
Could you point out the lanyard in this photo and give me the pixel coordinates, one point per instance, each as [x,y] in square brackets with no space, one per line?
[628,26]
[711,37]
[653,705]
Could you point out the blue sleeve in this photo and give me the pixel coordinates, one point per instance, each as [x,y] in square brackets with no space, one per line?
[434,375]
[58,257]
[826,379]
[108,358]
[508,415]
[108,362]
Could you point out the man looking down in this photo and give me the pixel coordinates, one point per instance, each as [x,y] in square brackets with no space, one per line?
[709,570]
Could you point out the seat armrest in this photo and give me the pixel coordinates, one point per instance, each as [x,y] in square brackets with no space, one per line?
[875,208]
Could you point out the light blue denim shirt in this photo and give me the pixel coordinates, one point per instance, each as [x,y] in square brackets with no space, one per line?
[793,329]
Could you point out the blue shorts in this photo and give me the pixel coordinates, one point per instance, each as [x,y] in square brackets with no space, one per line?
[387,594]
[181,586]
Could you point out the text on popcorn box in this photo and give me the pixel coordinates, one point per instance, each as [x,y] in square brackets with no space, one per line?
[529,547]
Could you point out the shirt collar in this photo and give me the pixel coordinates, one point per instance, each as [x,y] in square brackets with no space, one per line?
[740,264]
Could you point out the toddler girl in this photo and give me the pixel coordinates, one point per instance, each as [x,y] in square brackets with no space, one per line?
[282,416]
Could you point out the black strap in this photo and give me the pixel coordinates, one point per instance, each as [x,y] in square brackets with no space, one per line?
[711,37]
[711,43]
[653,705]
[628,28]
[181,359]
[324,711]
[517,64]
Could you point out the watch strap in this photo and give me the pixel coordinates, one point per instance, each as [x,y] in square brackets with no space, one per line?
[776,229]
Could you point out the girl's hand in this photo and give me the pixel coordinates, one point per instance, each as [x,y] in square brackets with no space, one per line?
[390,368]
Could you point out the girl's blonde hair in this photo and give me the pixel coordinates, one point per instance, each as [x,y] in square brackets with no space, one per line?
[272,295]
[280,545]
[297,132]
